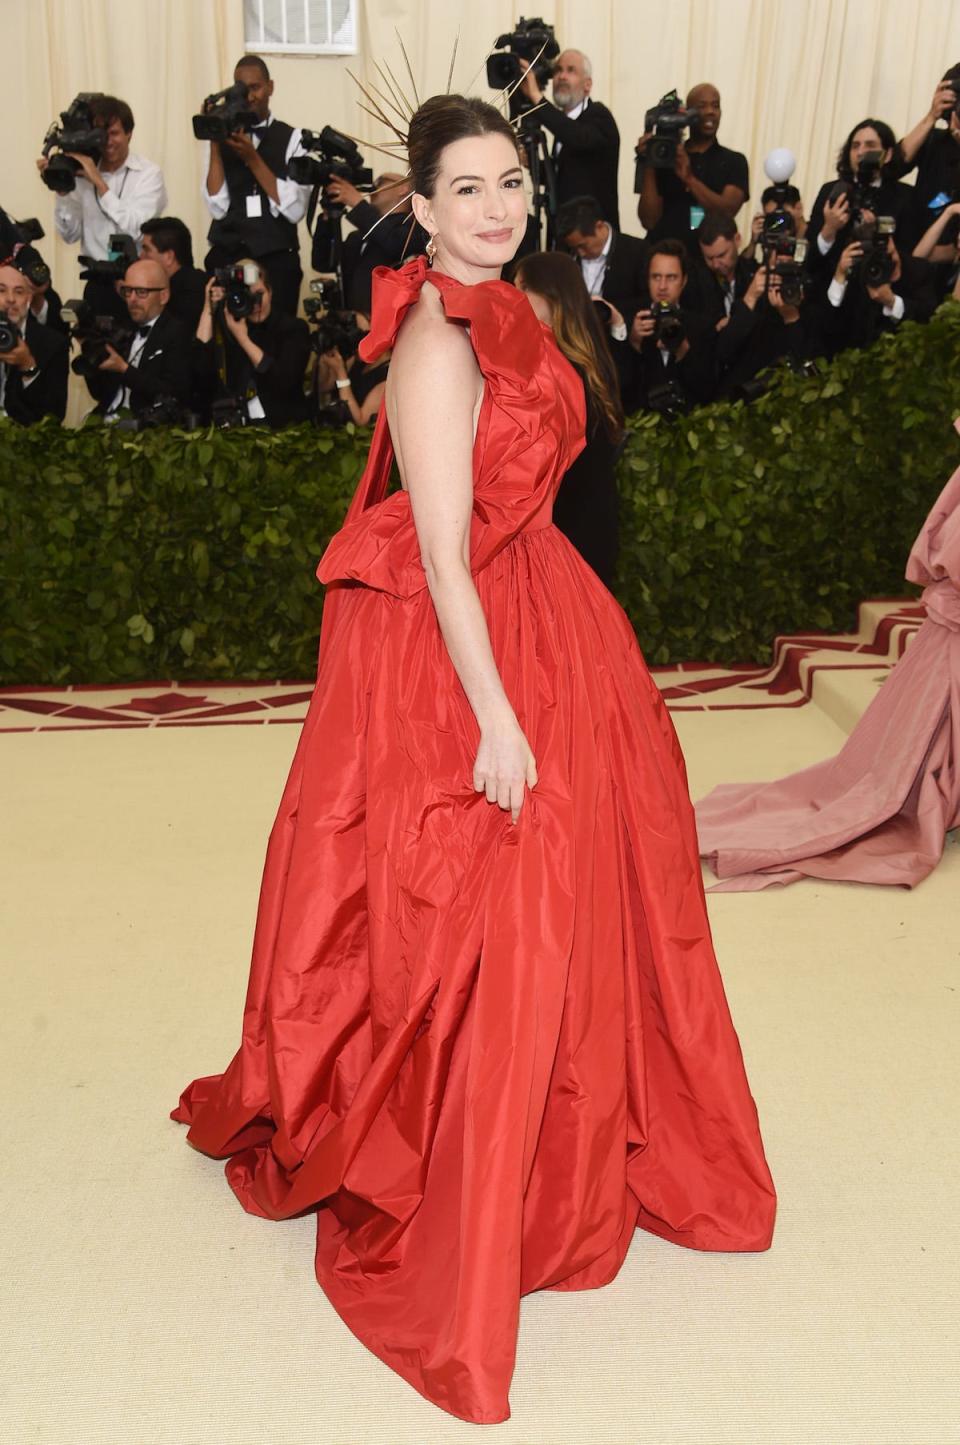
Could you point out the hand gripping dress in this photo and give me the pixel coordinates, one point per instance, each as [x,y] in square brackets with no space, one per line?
[483,1053]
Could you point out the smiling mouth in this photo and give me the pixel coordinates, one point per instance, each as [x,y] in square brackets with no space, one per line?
[495,235]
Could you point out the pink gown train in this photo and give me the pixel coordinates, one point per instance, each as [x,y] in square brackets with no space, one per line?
[879,811]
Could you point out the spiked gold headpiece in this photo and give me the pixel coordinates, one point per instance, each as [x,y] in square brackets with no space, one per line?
[396,101]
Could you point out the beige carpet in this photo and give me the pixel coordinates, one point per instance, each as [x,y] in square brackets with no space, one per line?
[139,1303]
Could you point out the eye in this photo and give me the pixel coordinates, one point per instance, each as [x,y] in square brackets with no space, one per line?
[465,190]
[514,183]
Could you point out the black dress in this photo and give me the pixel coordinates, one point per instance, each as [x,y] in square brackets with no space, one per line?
[587,504]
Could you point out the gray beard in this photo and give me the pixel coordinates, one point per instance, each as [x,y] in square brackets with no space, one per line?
[565,102]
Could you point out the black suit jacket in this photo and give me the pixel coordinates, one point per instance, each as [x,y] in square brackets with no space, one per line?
[163,369]
[695,374]
[187,296]
[625,279]
[395,238]
[589,155]
[46,394]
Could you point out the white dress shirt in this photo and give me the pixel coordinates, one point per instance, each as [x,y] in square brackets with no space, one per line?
[293,201]
[594,268]
[135,193]
[838,289]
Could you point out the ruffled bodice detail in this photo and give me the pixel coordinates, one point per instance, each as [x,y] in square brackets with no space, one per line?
[530,430]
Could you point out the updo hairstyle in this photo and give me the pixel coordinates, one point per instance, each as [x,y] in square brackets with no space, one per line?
[439,122]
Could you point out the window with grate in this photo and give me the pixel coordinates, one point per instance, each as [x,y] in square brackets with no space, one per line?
[301,27]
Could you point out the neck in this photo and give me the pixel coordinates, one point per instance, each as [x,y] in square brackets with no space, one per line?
[106,166]
[466,274]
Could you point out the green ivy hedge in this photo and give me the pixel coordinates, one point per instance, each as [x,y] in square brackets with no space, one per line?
[162,554]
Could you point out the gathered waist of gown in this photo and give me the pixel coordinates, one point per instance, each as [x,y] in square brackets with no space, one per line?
[542,517]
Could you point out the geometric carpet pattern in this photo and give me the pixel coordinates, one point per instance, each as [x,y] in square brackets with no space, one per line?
[800,661]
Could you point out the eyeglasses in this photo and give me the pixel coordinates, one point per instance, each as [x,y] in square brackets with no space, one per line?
[141,292]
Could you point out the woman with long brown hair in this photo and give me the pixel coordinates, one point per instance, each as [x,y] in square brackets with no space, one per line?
[586,506]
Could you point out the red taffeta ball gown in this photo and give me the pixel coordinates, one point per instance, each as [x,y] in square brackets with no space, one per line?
[484,1053]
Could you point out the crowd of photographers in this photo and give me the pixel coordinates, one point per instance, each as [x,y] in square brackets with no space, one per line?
[691,312]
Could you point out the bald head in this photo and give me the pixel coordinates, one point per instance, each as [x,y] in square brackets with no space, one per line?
[151,281]
[15,294]
[705,100]
[572,79]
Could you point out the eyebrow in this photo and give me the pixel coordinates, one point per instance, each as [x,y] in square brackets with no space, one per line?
[480,178]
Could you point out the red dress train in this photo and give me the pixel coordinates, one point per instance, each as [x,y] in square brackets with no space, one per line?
[484,1054]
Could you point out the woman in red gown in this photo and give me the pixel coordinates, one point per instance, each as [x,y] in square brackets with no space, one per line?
[485,1035]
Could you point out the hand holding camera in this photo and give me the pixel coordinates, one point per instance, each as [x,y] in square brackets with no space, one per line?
[836,215]
[849,257]
[945,99]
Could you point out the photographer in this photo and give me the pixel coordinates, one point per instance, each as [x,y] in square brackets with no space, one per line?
[866,187]
[935,151]
[116,194]
[858,312]
[586,148]
[33,371]
[773,320]
[167,241]
[674,349]
[382,234]
[707,180]
[776,198]
[258,359]
[722,274]
[254,205]
[151,359]
[613,264]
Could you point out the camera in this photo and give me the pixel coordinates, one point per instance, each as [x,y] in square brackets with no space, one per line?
[9,333]
[223,114]
[668,328]
[784,254]
[861,191]
[524,43]
[229,411]
[94,334]
[236,281]
[667,121]
[31,264]
[78,133]
[162,411]
[669,399]
[336,327]
[876,266]
[123,253]
[333,156]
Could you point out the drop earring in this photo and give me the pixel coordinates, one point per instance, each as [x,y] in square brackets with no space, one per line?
[431,249]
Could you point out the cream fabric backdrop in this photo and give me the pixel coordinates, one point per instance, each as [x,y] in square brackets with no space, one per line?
[791,72]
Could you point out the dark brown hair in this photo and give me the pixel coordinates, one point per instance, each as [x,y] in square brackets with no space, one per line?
[715,225]
[557,277]
[107,108]
[252,62]
[670,247]
[439,122]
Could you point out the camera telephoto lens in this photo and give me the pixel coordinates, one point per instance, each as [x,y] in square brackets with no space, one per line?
[9,334]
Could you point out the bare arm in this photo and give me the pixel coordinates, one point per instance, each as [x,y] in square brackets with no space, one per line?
[433,386]
[942,104]
[650,201]
[929,247]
